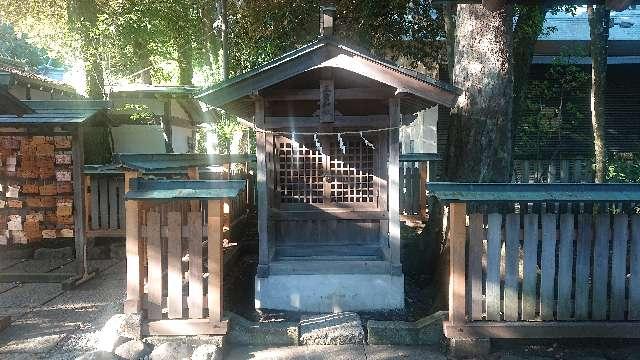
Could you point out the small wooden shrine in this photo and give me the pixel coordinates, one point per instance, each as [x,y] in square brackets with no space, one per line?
[327,121]
[41,182]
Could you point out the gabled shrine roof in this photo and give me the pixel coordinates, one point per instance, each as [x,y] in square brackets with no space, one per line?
[326,52]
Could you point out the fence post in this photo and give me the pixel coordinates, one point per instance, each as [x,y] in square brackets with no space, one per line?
[135,278]
[457,240]
[424,177]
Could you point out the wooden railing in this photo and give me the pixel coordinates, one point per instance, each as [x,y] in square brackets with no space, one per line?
[543,260]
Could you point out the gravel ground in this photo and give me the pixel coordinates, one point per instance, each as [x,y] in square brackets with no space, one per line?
[60,325]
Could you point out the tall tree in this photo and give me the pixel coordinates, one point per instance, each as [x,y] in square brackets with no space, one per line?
[224,35]
[83,19]
[479,142]
[599,19]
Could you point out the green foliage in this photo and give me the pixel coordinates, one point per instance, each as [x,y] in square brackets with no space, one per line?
[18,47]
[140,114]
[623,168]
[553,105]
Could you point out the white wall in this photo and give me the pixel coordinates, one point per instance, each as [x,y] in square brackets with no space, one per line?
[421,136]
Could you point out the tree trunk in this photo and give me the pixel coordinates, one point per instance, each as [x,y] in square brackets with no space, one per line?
[479,143]
[185,62]
[525,34]
[599,29]
[83,20]
[449,12]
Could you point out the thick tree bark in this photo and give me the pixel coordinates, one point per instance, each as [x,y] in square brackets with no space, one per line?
[525,34]
[599,28]
[479,143]
[449,12]
[83,19]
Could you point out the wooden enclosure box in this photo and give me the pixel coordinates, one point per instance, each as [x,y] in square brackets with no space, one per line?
[174,251]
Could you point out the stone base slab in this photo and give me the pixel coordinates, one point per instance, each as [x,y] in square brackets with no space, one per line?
[330,293]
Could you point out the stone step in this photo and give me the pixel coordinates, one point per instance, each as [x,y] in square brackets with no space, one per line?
[343,328]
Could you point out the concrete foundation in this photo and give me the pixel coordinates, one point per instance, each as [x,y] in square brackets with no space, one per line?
[330,292]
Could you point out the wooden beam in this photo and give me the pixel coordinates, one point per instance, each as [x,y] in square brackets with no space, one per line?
[327,101]
[262,189]
[323,214]
[339,94]
[394,184]
[77,155]
[312,122]
[543,329]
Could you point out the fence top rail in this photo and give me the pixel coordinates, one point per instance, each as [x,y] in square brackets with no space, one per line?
[150,162]
[448,191]
[419,157]
[143,189]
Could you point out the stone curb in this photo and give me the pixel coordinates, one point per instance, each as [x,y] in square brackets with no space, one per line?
[245,332]
[426,331]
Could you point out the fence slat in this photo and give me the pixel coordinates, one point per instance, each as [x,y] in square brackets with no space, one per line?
[154,275]
[634,258]
[174,262]
[103,185]
[530,266]
[512,247]
[548,266]
[565,266]
[583,265]
[619,266]
[196,293]
[600,267]
[121,207]
[476,235]
[95,204]
[494,244]
[113,204]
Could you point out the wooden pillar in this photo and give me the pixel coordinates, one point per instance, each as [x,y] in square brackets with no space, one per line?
[87,199]
[135,278]
[394,185]
[263,192]
[78,200]
[214,241]
[457,240]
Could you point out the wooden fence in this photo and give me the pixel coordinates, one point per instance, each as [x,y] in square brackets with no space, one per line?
[552,171]
[181,297]
[571,269]
[104,199]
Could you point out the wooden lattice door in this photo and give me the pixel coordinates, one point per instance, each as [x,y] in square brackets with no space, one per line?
[326,197]
[336,177]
